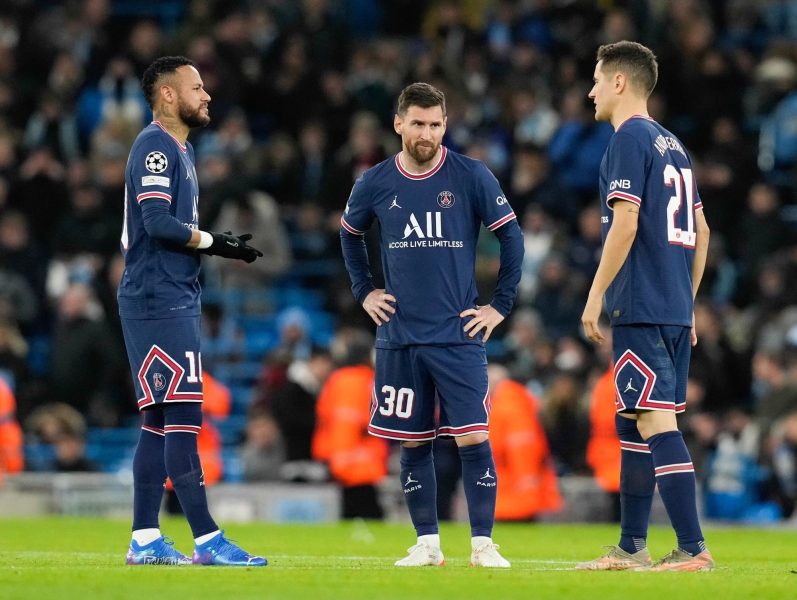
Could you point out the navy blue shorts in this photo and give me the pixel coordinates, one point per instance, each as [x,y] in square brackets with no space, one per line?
[651,364]
[424,391]
[164,359]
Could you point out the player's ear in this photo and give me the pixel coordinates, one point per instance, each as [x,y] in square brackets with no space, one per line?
[397,124]
[620,81]
[166,93]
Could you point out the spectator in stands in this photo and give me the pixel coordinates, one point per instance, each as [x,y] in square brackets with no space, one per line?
[783,445]
[262,454]
[21,252]
[566,424]
[257,212]
[356,460]
[294,410]
[527,483]
[87,363]
[64,429]
[53,125]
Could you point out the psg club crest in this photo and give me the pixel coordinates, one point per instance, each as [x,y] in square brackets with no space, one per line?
[156,162]
[158,381]
[445,199]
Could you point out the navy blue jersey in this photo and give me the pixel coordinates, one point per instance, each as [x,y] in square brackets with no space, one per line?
[429,226]
[647,165]
[160,277]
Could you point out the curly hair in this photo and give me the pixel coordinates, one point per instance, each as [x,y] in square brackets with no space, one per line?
[161,66]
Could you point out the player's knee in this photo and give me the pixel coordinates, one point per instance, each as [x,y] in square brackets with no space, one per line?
[414,444]
[653,422]
[471,439]
[183,413]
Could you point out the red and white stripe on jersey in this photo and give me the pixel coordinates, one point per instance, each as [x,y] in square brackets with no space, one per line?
[618,195]
[699,205]
[634,447]
[178,372]
[427,174]
[349,228]
[154,430]
[464,430]
[396,434]
[182,146]
[183,429]
[150,195]
[675,468]
[502,221]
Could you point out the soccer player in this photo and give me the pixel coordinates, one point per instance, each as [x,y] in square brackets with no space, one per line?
[430,203]
[655,240]
[159,307]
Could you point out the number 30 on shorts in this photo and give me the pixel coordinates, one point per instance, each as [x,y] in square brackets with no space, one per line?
[398,402]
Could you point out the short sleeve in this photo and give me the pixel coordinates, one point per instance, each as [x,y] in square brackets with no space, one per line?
[358,214]
[153,168]
[493,207]
[626,166]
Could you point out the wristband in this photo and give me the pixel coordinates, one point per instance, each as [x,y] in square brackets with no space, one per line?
[205,240]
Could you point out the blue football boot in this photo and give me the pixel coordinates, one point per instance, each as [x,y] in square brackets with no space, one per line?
[219,551]
[159,552]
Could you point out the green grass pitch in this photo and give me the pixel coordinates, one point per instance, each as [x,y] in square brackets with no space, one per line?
[66,558]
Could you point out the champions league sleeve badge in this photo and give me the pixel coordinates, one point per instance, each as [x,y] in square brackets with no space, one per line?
[156,162]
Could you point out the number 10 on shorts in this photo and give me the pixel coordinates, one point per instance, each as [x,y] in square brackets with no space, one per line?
[397,402]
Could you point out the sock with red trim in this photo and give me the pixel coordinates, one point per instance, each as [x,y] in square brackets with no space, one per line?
[149,471]
[637,484]
[675,477]
[182,424]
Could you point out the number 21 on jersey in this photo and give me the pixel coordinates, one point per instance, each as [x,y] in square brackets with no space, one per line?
[684,187]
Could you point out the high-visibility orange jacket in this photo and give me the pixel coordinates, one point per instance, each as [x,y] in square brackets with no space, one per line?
[526,478]
[11,455]
[216,400]
[603,448]
[341,439]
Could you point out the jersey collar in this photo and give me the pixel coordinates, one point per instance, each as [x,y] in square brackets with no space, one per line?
[633,117]
[182,146]
[425,175]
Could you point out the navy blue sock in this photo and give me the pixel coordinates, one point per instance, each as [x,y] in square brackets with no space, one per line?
[637,484]
[675,477]
[149,472]
[480,482]
[182,424]
[420,487]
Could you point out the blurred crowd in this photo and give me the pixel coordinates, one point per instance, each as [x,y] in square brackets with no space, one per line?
[303,96]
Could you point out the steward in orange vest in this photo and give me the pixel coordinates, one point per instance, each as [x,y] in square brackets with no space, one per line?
[11,455]
[356,460]
[527,482]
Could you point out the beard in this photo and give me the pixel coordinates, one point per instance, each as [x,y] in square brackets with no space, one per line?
[422,153]
[192,117]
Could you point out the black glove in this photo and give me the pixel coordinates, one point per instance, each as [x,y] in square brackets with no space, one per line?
[228,245]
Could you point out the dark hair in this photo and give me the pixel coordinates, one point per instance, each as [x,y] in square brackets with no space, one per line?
[635,60]
[161,66]
[420,94]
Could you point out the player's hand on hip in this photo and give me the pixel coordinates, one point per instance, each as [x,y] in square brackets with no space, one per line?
[484,317]
[378,306]
[589,320]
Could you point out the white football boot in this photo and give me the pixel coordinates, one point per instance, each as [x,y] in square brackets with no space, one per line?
[485,554]
[422,555]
